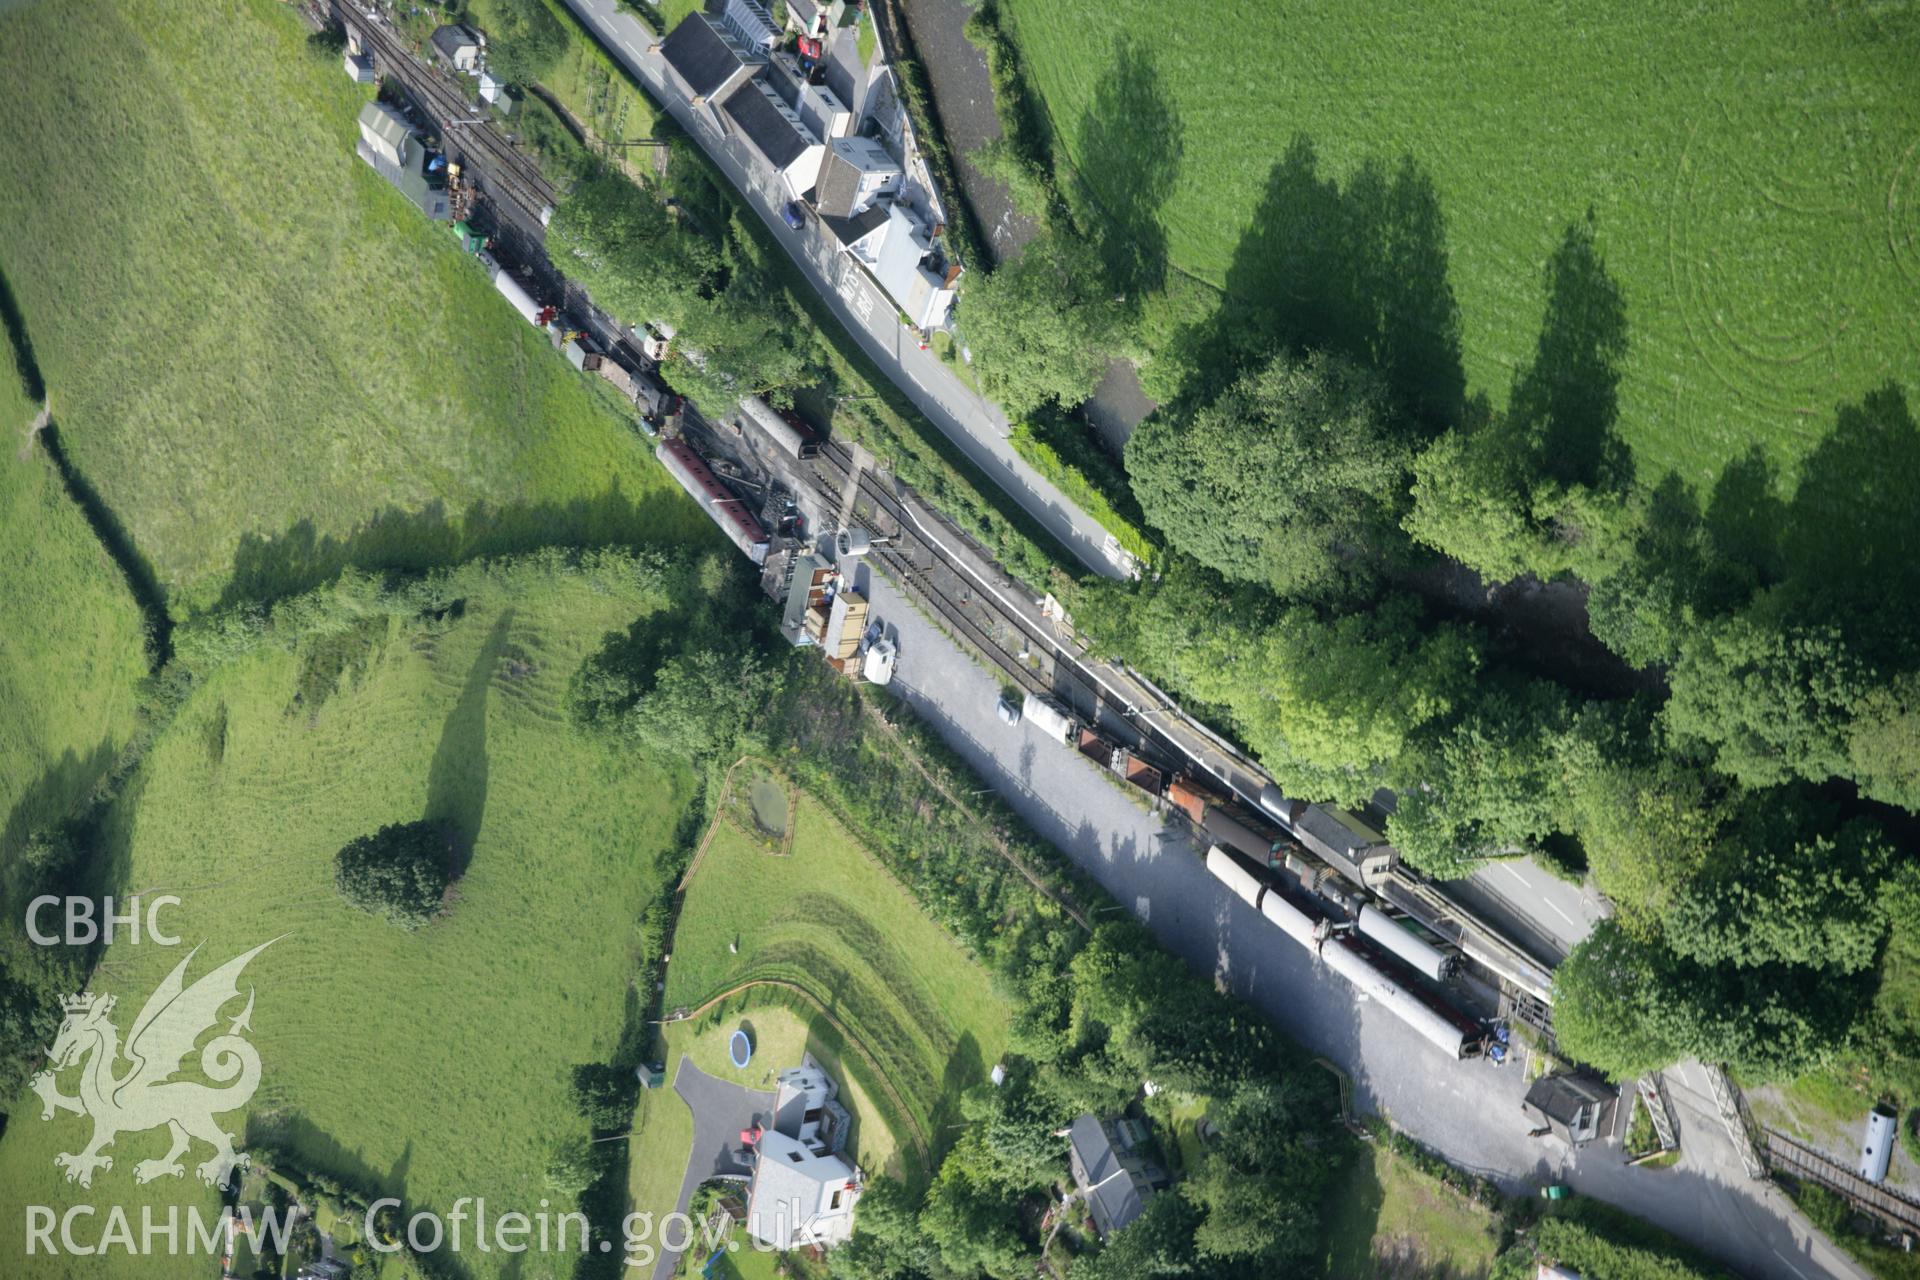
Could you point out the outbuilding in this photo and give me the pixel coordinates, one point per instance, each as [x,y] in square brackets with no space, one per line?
[457,45]
[1575,1109]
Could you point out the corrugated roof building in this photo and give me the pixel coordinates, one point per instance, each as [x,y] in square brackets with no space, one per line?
[386,131]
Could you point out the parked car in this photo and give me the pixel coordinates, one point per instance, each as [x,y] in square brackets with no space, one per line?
[795,216]
[1008,710]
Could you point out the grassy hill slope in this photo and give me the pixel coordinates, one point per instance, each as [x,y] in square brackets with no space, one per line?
[259,345]
[434,1064]
[1751,170]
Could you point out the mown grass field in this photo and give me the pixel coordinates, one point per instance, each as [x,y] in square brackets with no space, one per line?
[829,919]
[71,651]
[431,1065]
[1387,1219]
[1752,171]
[254,337]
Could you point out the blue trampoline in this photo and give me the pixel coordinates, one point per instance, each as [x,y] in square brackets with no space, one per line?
[740,1049]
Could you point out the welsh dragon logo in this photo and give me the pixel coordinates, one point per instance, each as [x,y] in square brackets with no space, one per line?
[145,1096]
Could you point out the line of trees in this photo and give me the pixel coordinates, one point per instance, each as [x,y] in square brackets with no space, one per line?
[1725,737]
[1707,696]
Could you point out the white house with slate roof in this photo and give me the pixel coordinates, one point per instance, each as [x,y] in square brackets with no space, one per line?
[803,1189]
[775,131]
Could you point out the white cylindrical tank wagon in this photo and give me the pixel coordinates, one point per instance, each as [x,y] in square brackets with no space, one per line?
[1365,975]
[1876,1148]
[1293,922]
[516,295]
[1419,954]
[1048,718]
[1241,881]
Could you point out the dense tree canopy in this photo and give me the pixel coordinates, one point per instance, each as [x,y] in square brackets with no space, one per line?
[1776,891]
[736,331]
[1629,1006]
[1485,785]
[1042,326]
[1772,703]
[1290,475]
[401,871]
[524,41]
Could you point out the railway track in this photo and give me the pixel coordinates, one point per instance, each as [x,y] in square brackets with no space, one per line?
[1528,985]
[956,610]
[1787,1156]
[467,136]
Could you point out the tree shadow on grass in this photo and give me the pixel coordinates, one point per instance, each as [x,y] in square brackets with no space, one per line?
[280,565]
[965,1069]
[62,785]
[1853,524]
[292,1137]
[1565,404]
[1839,551]
[1129,149]
[1361,270]
[457,779]
[1745,515]
[22,343]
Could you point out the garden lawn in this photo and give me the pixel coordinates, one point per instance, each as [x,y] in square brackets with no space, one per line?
[430,1065]
[71,648]
[1751,170]
[1389,1220]
[831,921]
[258,345]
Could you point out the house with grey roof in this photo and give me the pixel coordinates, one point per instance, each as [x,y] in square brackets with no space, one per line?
[1112,1179]
[799,1198]
[806,1107]
[818,107]
[856,173]
[754,113]
[709,61]
[903,261]
[803,1189]
[458,46]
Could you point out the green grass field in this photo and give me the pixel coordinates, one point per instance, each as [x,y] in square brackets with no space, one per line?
[830,920]
[73,653]
[1388,1220]
[434,1064]
[253,337]
[1752,170]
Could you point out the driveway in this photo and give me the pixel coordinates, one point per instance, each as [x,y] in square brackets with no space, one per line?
[720,1111]
[973,424]
[1468,1111]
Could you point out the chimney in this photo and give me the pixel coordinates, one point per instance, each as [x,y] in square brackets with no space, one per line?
[953,273]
